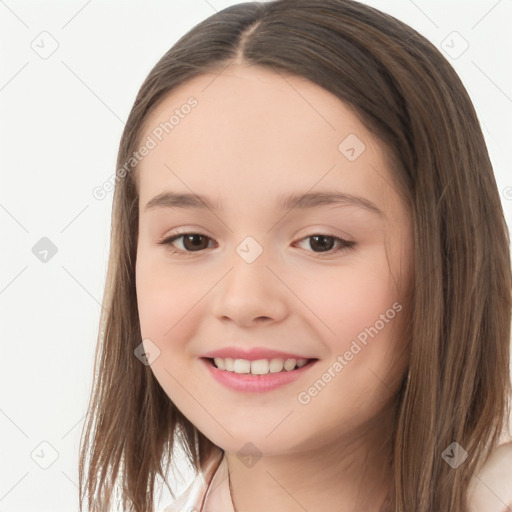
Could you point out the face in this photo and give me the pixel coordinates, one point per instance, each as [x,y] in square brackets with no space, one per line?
[318,280]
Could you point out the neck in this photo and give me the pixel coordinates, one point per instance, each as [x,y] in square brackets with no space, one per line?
[347,475]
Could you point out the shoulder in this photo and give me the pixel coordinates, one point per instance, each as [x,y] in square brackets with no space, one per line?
[490,490]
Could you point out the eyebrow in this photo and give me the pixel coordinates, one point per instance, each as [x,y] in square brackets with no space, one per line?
[288,202]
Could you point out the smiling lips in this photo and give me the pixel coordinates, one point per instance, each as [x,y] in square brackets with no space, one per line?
[257,361]
[257,369]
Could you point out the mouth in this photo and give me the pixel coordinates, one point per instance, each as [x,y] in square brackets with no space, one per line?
[260,367]
[256,376]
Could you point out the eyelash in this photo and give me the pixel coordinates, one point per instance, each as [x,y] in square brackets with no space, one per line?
[346,245]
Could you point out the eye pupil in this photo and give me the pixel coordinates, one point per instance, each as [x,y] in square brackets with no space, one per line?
[322,244]
[193,237]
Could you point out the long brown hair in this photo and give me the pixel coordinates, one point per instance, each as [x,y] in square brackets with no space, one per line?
[457,386]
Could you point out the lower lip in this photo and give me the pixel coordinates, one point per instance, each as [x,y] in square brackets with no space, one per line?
[255,383]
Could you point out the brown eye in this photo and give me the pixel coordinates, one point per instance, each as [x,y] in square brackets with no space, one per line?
[320,243]
[196,242]
[192,242]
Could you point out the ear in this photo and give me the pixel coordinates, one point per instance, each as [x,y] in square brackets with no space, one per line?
[491,489]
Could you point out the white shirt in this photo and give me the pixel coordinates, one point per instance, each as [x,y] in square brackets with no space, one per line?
[208,492]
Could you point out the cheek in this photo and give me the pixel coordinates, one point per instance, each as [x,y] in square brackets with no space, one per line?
[357,315]
[164,294]
[169,319]
[170,300]
[161,303]
[347,300]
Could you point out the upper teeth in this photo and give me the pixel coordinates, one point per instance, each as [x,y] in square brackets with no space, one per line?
[259,367]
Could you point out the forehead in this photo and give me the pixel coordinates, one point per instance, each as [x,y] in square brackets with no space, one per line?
[248,132]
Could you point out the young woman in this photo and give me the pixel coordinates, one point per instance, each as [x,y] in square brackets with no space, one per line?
[309,280]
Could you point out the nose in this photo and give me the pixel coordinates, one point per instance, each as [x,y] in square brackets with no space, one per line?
[251,294]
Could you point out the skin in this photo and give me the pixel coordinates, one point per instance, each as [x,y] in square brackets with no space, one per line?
[491,490]
[254,136]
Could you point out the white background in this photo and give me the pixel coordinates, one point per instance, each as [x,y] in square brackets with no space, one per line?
[61,121]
